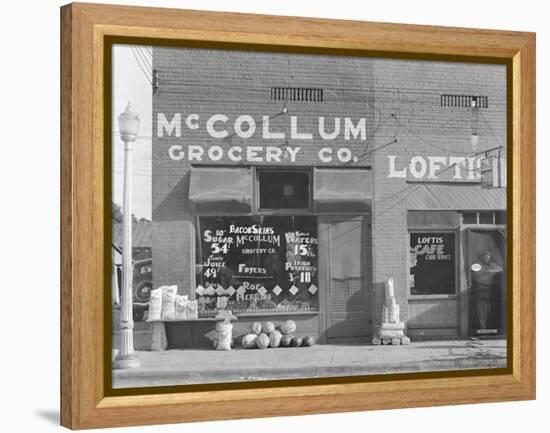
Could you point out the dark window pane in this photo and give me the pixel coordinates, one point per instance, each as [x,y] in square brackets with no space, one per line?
[500,217]
[432,263]
[469,218]
[287,190]
[486,217]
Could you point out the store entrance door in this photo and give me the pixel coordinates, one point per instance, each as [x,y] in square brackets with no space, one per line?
[346,276]
[487,281]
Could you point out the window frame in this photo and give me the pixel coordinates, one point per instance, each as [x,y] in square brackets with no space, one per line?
[477,213]
[257,210]
[435,230]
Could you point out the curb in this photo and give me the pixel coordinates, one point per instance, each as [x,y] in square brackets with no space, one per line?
[148,377]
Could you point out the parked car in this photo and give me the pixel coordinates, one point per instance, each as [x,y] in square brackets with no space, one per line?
[142,284]
[143,280]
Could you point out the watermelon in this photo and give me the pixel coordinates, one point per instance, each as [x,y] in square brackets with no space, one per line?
[269,327]
[297,341]
[263,341]
[309,341]
[275,339]
[256,328]
[286,340]
[288,327]
[249,341]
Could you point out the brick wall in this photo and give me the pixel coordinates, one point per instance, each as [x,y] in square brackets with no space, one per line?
[399,98]
[407,96]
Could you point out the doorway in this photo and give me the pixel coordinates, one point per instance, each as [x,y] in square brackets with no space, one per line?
[345,241]
[486,271]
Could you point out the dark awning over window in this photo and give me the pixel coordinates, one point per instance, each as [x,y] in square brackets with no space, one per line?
[439,219]
[221,189]
[342,190]
[455,196]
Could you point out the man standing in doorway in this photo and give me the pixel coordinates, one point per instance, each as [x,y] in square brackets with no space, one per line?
[486,277]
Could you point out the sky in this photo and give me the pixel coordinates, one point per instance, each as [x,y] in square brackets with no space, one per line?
[131,84]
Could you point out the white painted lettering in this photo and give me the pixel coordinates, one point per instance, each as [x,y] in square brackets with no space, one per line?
[294,134]
[333,134]
[192,121]
[418,172]
[266,133]
[350,129]
[175,152]
[210,126]
[393,172]
[169,127]
[251,128]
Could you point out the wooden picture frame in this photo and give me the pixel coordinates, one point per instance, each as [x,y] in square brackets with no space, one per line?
[84,215]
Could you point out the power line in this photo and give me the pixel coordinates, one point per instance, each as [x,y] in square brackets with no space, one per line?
[143,69]
[491,129]
[144,57]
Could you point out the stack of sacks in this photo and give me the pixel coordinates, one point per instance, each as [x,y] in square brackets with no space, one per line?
[166,305]
[391,330]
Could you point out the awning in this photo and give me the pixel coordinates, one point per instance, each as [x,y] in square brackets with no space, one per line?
[455,196]
[221,189]
[342,190]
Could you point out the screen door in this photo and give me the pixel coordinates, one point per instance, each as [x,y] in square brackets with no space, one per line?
[347,288]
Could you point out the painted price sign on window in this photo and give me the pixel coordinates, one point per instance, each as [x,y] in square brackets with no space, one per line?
[264,261]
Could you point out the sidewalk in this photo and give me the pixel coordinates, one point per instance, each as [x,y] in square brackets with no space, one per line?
[192,366]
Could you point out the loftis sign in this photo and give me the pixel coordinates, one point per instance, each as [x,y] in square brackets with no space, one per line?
[458,168]
[220,127]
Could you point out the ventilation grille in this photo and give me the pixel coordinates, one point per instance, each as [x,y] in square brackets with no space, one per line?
[296,94]
[464,101]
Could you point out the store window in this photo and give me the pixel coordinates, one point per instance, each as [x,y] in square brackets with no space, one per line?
[284,190]
[257,264]
[432,263]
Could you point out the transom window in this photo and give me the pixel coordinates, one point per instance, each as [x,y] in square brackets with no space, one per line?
[284,189]
[484,217]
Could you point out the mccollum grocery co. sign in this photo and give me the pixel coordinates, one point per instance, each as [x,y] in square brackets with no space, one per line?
[288,139]
[245,127]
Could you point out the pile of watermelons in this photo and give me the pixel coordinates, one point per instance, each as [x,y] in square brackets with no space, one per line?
[264,336]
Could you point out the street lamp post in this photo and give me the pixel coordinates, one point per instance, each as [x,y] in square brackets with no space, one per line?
[128,124]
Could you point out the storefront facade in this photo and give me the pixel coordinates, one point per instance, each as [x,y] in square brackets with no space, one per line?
[290,186]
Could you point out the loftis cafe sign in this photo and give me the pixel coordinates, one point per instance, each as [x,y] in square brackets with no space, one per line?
[219,127]
[458,168]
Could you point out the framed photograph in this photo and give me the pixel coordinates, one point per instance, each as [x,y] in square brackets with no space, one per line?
[266,216]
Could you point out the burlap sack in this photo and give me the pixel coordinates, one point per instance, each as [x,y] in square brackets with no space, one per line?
[155,305]
[169,302]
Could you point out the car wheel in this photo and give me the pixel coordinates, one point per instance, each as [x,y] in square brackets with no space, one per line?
[143,291]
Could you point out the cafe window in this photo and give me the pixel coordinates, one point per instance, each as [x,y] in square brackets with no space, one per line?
[284,189]
[432,263]
[251,264]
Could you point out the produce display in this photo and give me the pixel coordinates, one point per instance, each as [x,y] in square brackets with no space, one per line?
[259,337]
[263,341]
[268,327]
[287,340]
[288,327]
[309,341]
[249,341]
[275,339]
[297,341]
[256,328]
